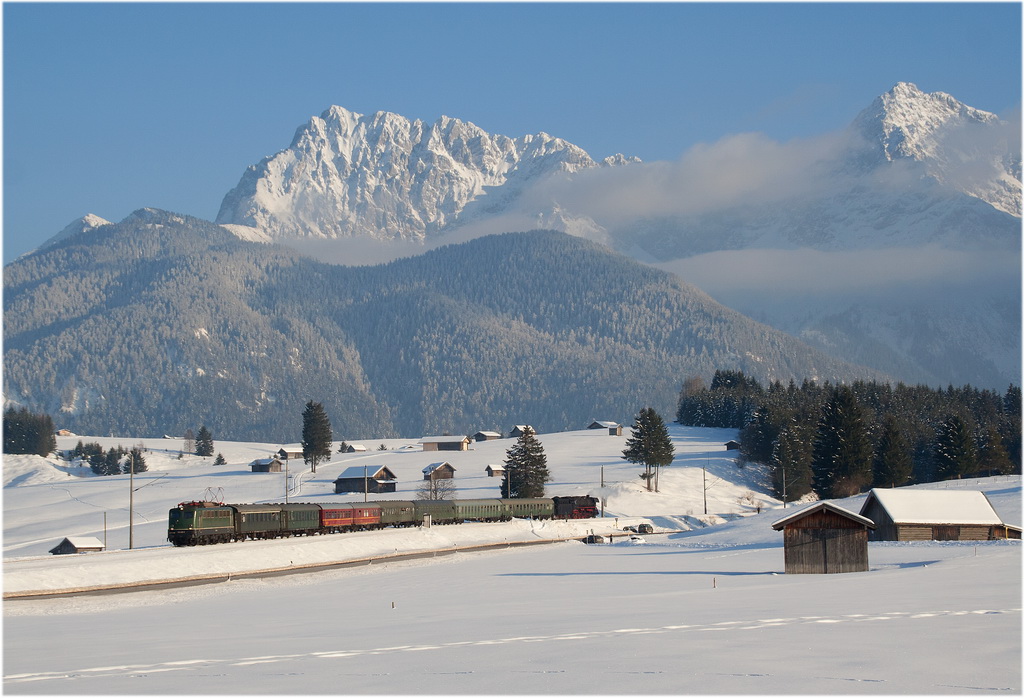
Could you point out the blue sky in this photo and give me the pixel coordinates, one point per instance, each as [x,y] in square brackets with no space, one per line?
[113,107]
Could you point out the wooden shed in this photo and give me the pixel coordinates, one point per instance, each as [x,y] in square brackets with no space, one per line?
[354,448]
[266,465]
[732,445]
[365,478]
[520,429]
[439,471]
[486,435]
[596,424]
[615,430]
[825,539]
[495,470]
[289,452]
[77,544]
[917,514]
[445,443]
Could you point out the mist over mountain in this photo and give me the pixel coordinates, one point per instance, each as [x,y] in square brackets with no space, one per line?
[849,235]
[163,322]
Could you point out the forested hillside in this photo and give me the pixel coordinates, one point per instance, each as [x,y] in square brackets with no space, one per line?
[163,322]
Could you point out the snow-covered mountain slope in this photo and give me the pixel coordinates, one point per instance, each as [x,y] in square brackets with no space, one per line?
[89,221]
[388,177]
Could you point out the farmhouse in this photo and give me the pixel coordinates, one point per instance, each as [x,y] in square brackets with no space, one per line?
[913,514]
[825,539]
[439,471]
[77,544]
[266,465]
[445,443]
[360,478]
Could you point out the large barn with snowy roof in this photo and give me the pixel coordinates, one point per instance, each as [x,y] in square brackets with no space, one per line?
[917,514]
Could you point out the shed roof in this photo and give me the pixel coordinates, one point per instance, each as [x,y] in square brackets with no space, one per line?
[264,461]
[443,439]
[829,506]
[598,424]
[912,506]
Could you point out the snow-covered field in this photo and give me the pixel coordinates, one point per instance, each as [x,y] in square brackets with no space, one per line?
[701,611]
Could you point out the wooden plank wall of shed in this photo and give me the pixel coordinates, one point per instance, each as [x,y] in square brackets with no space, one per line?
[825,550]
[825,542]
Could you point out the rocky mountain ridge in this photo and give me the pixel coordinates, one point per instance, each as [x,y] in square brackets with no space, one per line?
[388,177]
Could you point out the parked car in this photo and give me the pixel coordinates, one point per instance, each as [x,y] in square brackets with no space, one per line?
[629,528]
[645,528]
[593,538]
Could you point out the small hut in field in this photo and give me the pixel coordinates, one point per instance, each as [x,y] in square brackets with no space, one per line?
[73,545]
[825,539]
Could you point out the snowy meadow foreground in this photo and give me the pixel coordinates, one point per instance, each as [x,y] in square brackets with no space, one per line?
[703,611]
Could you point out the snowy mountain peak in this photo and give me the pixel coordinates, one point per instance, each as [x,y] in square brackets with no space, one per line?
[385,176]
[944,134]
[87,222]
[910,119]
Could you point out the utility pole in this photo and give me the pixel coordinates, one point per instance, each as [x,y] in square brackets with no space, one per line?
[602,491]
[366,487]
[704,471]
[285,480]
[131,500]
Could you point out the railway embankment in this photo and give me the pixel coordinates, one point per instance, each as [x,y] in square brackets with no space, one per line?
[166,566]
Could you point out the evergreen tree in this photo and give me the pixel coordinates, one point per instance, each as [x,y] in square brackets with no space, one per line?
[135,461]
[791,463]
[204,442]
[841,459]
[649,443]
[98,463]
[219,460]
[892,464]
[26,432]
[993,458]
[317,437]
[955,453]
[110,462]
[526,468]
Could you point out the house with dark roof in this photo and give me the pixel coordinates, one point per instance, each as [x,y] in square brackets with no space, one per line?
[266,465]
[365,478]
[439,471]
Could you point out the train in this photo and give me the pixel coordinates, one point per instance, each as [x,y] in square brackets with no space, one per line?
[205,523]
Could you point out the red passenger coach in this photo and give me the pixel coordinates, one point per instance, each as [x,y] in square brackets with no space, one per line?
[348,517]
